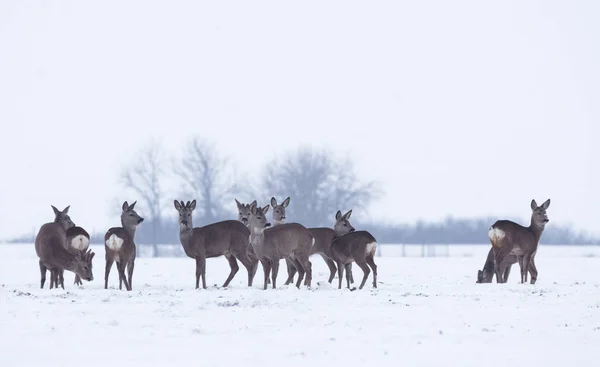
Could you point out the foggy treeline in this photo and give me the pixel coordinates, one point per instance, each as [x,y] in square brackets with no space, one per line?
[318,182]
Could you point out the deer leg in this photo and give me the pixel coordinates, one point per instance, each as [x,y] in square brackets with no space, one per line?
[366,271]
[109,264]
[52,278]
[498,264]
[507,272]
[340,268]
[274,271]
[371,263]
[130,267]
[122,278]
[266,264]
[331,266]
[301,272]
[43,274]
[253,267]
[291,269]
[351,275]
[533,270]
[524,267]
[61,278]
[347,266]
[234,269]
[200,271]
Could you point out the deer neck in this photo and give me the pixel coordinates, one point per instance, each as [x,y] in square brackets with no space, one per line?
[257,234]
[65,259]
[277,222]
[536,229]
[129,229]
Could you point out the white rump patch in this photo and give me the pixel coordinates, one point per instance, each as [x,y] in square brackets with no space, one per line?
[495,234]
[114,242]
[80,242]
[371,247]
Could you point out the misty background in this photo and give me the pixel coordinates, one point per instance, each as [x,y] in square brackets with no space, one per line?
[429,120]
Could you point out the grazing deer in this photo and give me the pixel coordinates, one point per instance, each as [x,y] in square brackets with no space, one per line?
[511,239]
[487,274]
[78,240]
[323,237]
[120,247]
[358,247]
[50,245]
[227,238]
[271,244]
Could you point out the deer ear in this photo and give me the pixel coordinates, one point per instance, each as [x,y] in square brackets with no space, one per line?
[132,205]
[56,211]
[239,205]
[193,205]
[125,206]
[546,204]
[66,210]
[347,215]
[338,215]
[273,202]
[253,209]
[286,202]
[265,210]
[253,203]
[534,205]
[92,255]
[177,205]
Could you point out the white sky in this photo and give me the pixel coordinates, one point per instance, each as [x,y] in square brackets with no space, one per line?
[466,108]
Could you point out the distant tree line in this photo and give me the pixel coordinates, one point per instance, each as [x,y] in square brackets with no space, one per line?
[318,183]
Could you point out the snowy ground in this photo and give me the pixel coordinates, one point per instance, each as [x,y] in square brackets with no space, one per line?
[426,312]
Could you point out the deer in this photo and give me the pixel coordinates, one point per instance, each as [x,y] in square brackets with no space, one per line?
[512,239]
[119,246]
[278,217]
[243,216]
[227,238]
[50,243]
[358,247]
[271,244]
[487,274]
[78,240]
[323,237]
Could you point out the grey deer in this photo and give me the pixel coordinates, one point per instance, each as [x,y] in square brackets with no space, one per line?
[271,244]
[487,274]
[227,238]
[119,246]
[358,247]
[511,239]
[50,243]
[244,217]
[78,241]
[323,238]
[278,217]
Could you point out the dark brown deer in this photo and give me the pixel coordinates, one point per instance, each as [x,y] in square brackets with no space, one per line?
[271,244]
[323,238]
[511,239]
[227,238]
[358,247]
[120,247]
[50,245]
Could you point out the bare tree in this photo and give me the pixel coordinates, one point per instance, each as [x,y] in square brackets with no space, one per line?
[209,178]
[319,185]
[144,176]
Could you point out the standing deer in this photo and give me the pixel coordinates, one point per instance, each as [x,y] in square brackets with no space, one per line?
[50,245]
[120,247]
[323,238]
[227,238]
[511,239]
[356,246]
[271,244]
[244,217]
[278,217]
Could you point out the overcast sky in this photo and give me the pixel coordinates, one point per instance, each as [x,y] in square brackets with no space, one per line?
[463,108]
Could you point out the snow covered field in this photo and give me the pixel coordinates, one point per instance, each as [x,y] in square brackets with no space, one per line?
[426,312]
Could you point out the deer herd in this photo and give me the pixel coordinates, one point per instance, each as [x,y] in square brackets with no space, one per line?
[252,238]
